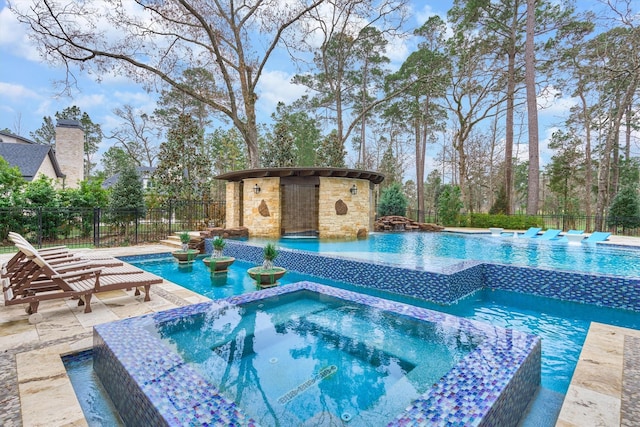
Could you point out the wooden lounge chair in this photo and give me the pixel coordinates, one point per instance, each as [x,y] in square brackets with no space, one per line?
[51,282]
[54,256]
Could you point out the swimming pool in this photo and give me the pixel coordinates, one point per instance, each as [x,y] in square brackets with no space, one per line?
[439,251]
[562,325]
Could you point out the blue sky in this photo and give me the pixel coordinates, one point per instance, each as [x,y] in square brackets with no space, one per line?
[29,94]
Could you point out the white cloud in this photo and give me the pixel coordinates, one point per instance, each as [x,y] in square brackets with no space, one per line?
[276,86]
[551,102]
[16,92]
[14,37]
[423,14]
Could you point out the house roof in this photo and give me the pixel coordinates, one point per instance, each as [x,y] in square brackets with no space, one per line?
[374,177]
[29,157]
[17,137]
[142,171]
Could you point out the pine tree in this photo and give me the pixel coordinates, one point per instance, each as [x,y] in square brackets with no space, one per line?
[449,205]
[392,201]
[126,201]
[625,209]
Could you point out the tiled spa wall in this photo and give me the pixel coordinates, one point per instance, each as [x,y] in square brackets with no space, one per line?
[446,288]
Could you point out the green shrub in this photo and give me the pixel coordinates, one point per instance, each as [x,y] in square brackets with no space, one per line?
[392,201]
[514,222]
[449,205]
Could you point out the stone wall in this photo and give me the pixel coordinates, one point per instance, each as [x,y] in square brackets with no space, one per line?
[262,211]
[70,151]
[233,204]
[342,214]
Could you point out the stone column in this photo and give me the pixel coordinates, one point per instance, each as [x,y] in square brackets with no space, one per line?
[262,214]
[233,204]
[341,213]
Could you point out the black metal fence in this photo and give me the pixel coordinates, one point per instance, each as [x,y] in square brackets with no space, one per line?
[101,227]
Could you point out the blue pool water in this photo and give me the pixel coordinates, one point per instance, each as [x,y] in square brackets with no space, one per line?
[433,251]
[98,409]
[362,375]
[562,325]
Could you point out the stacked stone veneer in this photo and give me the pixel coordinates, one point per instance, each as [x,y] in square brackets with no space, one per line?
[261,213]
[261,222]
[457,281]
[152,385]
[333,225]
[233,205]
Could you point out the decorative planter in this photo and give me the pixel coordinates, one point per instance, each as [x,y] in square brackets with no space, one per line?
[219,265]
[496,231]
[185,256]
[266,278]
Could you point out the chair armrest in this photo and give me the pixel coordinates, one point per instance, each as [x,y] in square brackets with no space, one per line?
[76,273]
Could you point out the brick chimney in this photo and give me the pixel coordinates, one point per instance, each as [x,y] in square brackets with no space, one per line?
[70,151]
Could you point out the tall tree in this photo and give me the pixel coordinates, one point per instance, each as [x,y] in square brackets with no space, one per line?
[422,80]
[184,168]
[352,38]
[137,135]
[617,54]
[45,134]
[532,109]
[156,41]
[474,94]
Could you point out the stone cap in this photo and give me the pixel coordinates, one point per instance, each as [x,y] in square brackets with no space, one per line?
[66,123]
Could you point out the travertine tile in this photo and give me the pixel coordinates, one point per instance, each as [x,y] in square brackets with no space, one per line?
[50,402]
[587,408]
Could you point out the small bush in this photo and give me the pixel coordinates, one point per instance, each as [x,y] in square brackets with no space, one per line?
[392,201]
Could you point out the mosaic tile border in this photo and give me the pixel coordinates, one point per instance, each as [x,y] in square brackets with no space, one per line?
[442,287]
[151,385]
[458,280]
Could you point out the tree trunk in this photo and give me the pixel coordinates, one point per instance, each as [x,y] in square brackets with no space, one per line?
[532,112]
[508,148]
[612,138]
[420,169]
[588,178]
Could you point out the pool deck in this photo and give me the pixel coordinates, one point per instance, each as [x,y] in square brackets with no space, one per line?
[603,390]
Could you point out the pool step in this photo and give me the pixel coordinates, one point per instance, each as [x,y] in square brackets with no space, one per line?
[174,242]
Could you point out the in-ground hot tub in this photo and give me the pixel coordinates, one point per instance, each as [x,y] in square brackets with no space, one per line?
[155,377]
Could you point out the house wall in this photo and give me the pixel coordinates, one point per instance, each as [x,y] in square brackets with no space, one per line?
[46,169]
[335,194]
[13,140]
[70,151]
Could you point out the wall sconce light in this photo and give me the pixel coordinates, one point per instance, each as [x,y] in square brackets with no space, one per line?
[354,190]
[256,189]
